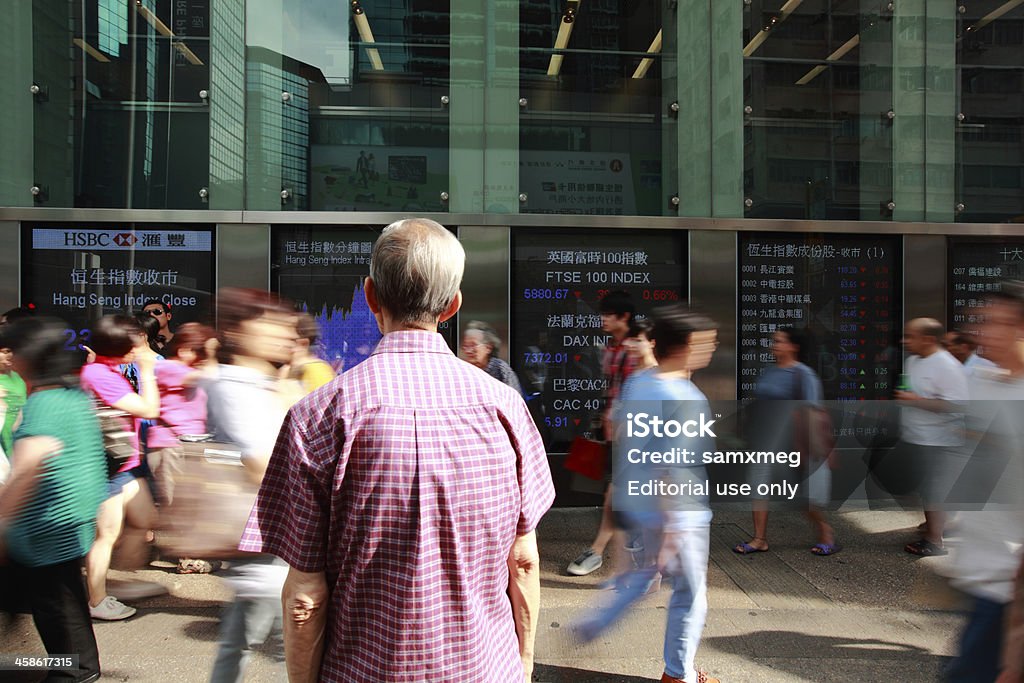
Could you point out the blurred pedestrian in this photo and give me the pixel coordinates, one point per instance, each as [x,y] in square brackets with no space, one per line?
[12,390]
[306,366]
[679,528]
[480,346]
[48,508]
[617,312]
[182,405]
[964,347]
[986,561]
[932,424]
[128,513]
[783,390]
[246,404]
[405,498]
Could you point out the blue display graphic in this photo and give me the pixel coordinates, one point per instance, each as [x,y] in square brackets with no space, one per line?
[322,271]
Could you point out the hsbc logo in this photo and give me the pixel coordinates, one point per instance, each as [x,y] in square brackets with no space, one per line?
[99,239]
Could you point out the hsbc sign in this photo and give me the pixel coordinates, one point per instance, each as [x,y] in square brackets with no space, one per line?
[117,240]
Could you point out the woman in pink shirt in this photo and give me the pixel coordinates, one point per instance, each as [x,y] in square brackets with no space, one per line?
[128,510]
[182,405]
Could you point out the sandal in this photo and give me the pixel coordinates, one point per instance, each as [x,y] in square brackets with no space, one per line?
[747,549]
[825,549]
[925,548]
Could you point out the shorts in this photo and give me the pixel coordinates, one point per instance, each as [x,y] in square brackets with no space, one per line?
[116,483]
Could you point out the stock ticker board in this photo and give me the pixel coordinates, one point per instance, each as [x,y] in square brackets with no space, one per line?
[979,266]
[558,277]
[844,291]
[322,270]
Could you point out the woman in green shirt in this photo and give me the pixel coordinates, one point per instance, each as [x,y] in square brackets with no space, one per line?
[57,482]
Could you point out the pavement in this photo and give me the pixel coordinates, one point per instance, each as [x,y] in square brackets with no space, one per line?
[872,612]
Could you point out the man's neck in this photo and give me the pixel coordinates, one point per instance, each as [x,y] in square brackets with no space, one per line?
[924,353]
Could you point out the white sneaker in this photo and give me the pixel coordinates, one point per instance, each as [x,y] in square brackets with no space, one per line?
[111,609]
[135,590]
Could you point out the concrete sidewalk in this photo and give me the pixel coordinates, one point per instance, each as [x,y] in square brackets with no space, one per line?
[872,612]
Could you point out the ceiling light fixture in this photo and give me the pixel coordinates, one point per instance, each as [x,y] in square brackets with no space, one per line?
[838,54]
[90,50]
[646,62]
[165,31]
[993,15]
[366,35]
[762,35]
[562,38]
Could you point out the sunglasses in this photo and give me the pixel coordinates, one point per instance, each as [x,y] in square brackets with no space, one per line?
[154,311]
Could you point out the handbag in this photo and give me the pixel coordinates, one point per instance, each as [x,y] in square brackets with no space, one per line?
[815,435]
[213,496]
[119,436]
[587,458]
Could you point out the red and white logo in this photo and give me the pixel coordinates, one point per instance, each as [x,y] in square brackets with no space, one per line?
[125,239]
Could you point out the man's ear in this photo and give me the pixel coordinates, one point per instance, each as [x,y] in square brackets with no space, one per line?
[453,307]
[370,292]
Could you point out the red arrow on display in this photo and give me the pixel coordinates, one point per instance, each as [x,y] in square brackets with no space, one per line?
[576,421]
[577,294]
[577,357]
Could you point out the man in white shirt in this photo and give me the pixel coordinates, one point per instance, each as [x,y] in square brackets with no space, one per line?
[964,347]
[932,424]
[986,561]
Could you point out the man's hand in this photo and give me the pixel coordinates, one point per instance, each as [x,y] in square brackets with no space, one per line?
[670,552]
[304,601]
[906,396]
[524,591]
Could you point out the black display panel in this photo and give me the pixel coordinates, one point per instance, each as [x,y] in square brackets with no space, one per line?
[79,273]
[321,269]
[844,290]
[977,266]
[558,277]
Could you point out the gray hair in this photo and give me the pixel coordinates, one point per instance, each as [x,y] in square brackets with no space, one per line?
[487,334]
[416,267]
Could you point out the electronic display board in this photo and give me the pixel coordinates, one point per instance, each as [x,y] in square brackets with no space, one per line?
[978,266]
[322,269]
[844,290]
[79,273]
[558,277]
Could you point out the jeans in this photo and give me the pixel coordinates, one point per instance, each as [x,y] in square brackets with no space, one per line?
[980,645]
[687,608]
[60,610]
[253,616]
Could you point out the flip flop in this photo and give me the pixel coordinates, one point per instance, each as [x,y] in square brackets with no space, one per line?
[747,549]
[825,549]
[925,548]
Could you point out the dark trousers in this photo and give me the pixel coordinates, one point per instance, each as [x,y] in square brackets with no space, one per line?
[980,645]
[60,608]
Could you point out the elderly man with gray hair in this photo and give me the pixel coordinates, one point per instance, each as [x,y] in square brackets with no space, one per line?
[404,496]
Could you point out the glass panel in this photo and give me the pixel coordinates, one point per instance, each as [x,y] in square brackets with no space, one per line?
[344,105]
[818,86]
[590,130]
[138,125]
[990,132]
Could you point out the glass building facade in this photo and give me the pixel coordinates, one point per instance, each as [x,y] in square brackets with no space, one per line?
[824,110]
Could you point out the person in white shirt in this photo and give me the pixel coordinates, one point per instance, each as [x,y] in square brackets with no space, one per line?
[964,347]
[932,423]
[986,560]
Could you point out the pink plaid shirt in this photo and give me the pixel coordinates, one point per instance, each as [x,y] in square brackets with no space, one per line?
[407,480]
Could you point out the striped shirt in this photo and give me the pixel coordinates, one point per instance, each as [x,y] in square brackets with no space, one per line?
[59,522]
[406,480]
